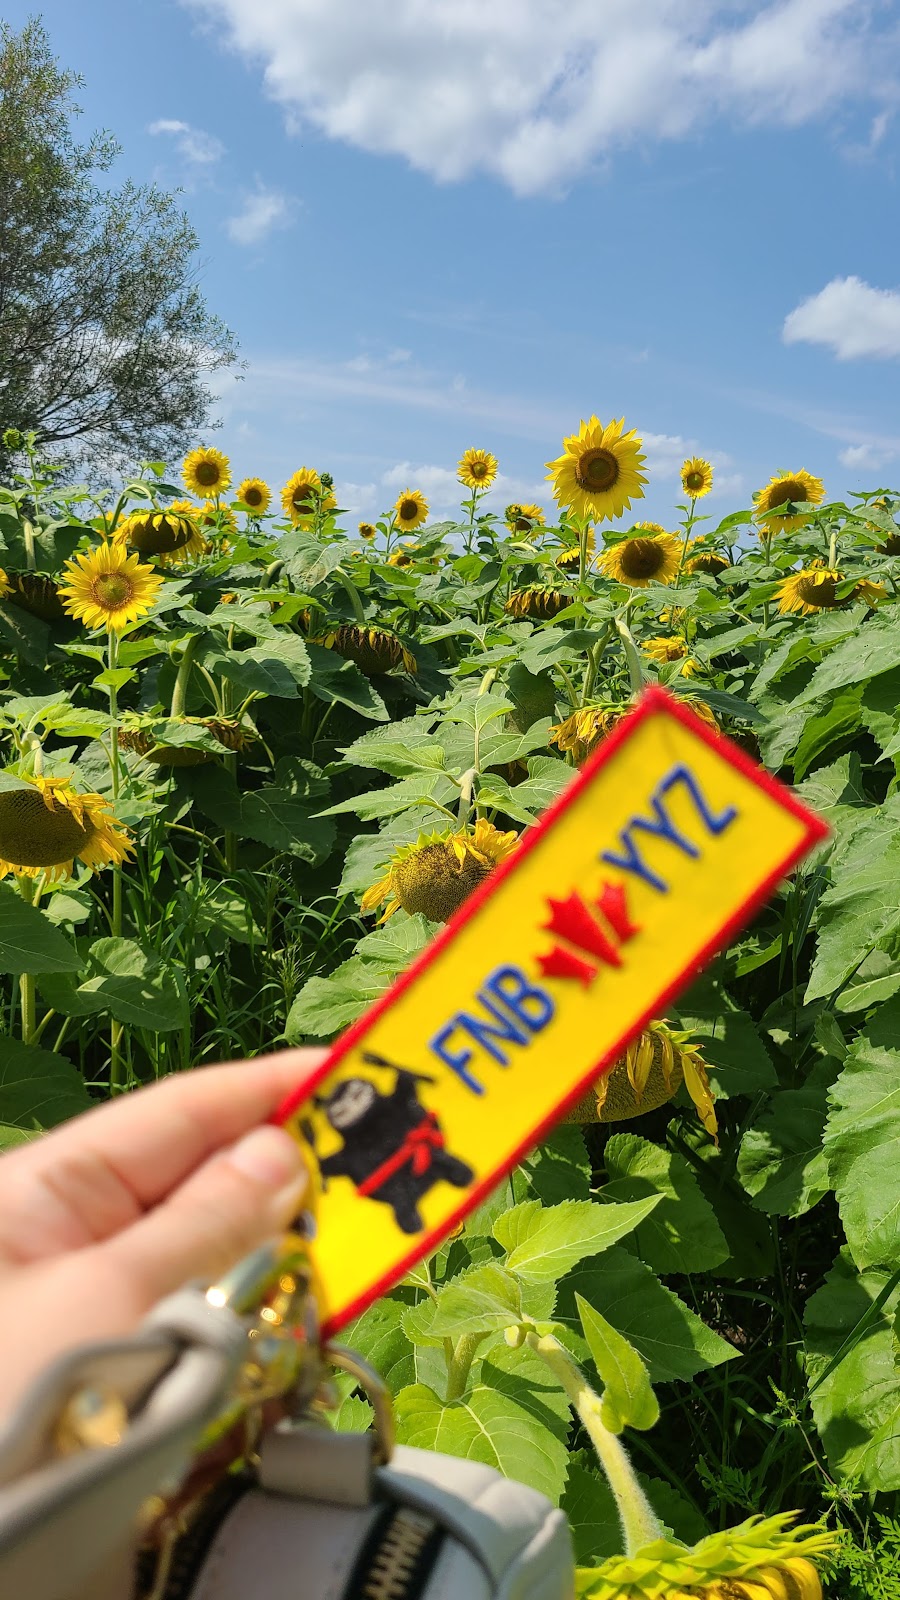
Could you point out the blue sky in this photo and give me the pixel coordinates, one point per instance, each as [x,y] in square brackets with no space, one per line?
[442,223]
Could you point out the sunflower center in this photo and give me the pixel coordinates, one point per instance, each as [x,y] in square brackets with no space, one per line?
[641,558]
[597,470]
[694,480]
[253,497]
[31,835]
[820,592]
[478,469]
[207,473]
[408,509]
[790,489]
[303,499]
[432,882]
[111,589]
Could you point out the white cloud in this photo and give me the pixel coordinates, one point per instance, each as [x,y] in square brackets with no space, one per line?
[262,212]
[869,457]
[197,148]
[850,317]
[536,91]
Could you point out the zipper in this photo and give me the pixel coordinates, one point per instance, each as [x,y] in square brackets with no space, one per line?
[170,1573]
[396,1560]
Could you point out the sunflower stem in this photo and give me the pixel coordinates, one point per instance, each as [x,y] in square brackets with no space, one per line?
[594,657]
[460,1364]
[116,1064]
[636,675]
[352,594]
[639,1524]
[26,888]
[28,532]
[183,676]
[832,550]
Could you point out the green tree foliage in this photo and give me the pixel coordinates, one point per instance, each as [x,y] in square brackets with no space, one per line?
[105,340]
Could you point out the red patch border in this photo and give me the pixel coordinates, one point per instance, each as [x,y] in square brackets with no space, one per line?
[654,701]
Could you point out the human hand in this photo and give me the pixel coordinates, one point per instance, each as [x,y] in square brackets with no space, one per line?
[102,1217]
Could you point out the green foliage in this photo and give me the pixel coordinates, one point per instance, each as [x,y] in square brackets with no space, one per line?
[734,1300]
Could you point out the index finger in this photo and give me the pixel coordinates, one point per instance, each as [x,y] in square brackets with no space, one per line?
[95,1175]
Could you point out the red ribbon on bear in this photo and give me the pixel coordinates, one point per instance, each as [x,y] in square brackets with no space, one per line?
[416,1147]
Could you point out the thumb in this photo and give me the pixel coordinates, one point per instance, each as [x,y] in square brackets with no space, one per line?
[239,1198]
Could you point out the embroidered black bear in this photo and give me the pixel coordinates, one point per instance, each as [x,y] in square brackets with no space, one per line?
[393,1148]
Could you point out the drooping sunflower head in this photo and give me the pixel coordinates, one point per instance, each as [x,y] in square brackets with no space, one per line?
[760,1559]
[649,1074]
[436,874]
[477,469]
[524,519]
[154,533]
[816,589]
[641,560]
[664,649]
[795,488]
[584,729]
[45,824]
[140,739]
[206,472]
[373,649]
[367,530]
[599,472]
[705,559]
[410,509]
[696,477]
[570,560]
[538,602]
[256,495]
[108,588]
[37,593]
[301,495]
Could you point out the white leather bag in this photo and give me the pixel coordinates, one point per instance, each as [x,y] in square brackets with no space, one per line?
[110,1432]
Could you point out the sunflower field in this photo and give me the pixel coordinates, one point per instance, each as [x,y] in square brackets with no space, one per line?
[254,755]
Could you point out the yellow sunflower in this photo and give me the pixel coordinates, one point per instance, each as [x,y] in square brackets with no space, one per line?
[477,469]
[301,495]
[108,588]
[537,602]
[524,519]
[570,560]
[599,473]
[45,823]
[663,650]
[206,472]
[650,527]
[760,1559]
[642,560]
[583,730]
[411,509]
[256,494]
[696,477]
[5,585]
[649,1074]
[797,487]
[815,589]
[367,530]
[169,533]
[434,876]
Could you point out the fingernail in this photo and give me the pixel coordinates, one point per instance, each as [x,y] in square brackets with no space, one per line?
[270,1156]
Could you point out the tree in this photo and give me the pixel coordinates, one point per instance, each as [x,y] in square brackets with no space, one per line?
[105,339]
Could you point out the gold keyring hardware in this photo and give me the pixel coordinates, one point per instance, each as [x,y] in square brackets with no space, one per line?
[376,1391]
